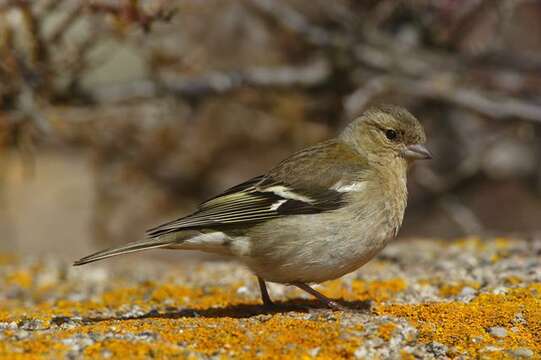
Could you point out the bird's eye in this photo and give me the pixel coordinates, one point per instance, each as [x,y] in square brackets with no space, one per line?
[391,134]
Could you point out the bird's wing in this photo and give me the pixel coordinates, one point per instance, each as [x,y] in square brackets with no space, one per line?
[254,201]
[307,188]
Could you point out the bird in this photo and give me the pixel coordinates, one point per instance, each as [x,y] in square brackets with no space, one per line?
[321,213]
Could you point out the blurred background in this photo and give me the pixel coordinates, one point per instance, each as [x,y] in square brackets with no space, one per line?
[117,115]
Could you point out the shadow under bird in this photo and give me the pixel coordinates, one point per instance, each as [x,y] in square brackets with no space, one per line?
[321,213]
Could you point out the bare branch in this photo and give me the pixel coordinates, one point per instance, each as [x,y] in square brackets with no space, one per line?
[491,105]
[443,88]
[126,91]
[66,23]
[131,12]
[415,72]
[291,19]
[357,101]
[310,75]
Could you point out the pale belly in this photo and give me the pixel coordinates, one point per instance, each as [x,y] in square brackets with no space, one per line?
[314,251]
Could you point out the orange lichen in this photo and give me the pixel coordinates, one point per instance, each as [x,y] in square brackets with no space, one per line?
[385,331]
[513,280]
[498,247]
[22,279]
[377,290]
[278,335]
[404,355]
[460,326]
[215,321]
[470,243]
[40,348]
[501,243]
[478,244]
[454,289]
[6,258]
[464,325]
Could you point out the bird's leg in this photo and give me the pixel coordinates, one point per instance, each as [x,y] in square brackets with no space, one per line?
[264,293]
[330,303]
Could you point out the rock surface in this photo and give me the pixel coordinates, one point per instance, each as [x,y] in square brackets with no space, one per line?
[422,299]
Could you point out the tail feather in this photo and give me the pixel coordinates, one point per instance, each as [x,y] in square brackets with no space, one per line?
[125,249]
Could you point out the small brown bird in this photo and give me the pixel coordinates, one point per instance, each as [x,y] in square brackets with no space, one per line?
[322,213]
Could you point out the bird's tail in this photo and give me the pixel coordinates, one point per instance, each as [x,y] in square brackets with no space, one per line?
[126,249]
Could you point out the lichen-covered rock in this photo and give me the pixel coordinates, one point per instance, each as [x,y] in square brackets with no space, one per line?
[419,299]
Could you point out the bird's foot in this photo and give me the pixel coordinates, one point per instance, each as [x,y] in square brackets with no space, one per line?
[325,300]
[270,306]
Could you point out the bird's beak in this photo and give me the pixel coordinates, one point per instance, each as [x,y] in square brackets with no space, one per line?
[416,152]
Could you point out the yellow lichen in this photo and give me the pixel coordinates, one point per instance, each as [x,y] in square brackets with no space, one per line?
[404,355]
[464,325]
[217,321]
[454,289]
[513,280]
[385,331]
[22,279]
[278,337]
[377,291]
[6,258]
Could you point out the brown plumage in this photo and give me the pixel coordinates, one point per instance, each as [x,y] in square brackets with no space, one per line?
[321,213]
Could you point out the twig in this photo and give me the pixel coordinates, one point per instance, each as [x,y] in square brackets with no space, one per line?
[494,106]
[415,72]
[294,21]
[131,12]
[66,23]
[39,51]
[48,7]
[126,91]
[357,101]
[309,75]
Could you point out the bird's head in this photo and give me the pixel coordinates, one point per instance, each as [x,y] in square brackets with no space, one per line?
[387,131]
